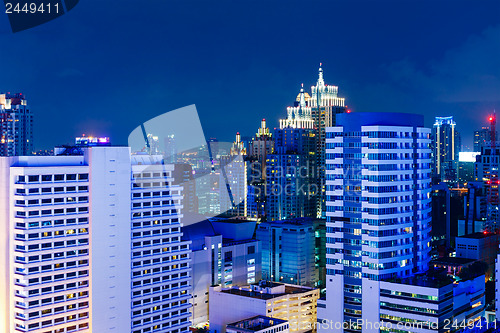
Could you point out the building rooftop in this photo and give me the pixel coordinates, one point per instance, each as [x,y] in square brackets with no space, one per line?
[478,235]
[452,261]
[299,221]
[267,291]
[256,323]
[425,280]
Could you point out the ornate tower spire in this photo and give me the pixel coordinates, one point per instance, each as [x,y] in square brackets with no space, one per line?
[321,81]
[302,97]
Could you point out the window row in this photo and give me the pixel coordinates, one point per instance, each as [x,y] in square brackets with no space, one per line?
[57,321]
[51,190]
[48,224]
[151,174]
[145,224]
[137,195]
[50,234]
[55,245]
[50,201]
[156,232]
[52,178]
[147,253]
[158,308]
[138,215]
[147,204]
[153,184]
[51,256]
[153,300]
[162,289]
[54,289]
[48,212]
[158,270]
[157,328]
[48,268]
[49,312]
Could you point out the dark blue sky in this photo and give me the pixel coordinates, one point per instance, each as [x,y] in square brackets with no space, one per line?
[107,66]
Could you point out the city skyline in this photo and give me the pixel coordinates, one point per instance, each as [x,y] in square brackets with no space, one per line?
[445,67]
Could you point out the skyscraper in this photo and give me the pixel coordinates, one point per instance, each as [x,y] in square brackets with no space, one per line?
[234,176]
[16,126]
[291,173]
[325,105]
[446,146]
[260,146]
[378,208]
[94,250]
[481,137]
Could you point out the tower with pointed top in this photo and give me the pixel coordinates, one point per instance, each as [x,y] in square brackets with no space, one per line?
[325,104]
[260,146]
[234,175]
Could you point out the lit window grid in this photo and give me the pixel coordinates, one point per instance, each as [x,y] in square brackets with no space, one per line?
[161,273]
[69,281]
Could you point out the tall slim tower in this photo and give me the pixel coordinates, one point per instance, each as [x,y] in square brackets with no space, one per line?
[378,208]
[325,105]
[16,126]
[446,144]
[233,175]
[260,146]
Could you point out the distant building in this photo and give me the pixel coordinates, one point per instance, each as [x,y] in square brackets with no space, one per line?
[292,185]
[183,175]
[224,253]
[451,265]
[170,149]
[480,246]
[16,125]
[233,175]
[292,303]
[258,324]
[90,141]
[475,207]
[481,137]
[486,171]
[446,148]
[441,215]
[288,251]
[260,146]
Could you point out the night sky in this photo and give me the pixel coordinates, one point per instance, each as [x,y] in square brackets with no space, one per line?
[107,66]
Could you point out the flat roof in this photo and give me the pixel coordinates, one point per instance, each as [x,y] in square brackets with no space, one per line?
[289,290]
[424,280]
[256,323]
[452,261]
[478,235]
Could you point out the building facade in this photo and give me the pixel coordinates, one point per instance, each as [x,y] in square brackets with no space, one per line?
[259,148]
[378,208]
[288,251]
[446,146]
[97,244]
[225,254]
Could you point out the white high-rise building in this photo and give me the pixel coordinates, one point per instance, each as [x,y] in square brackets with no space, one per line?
[378,210]
[90,241]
